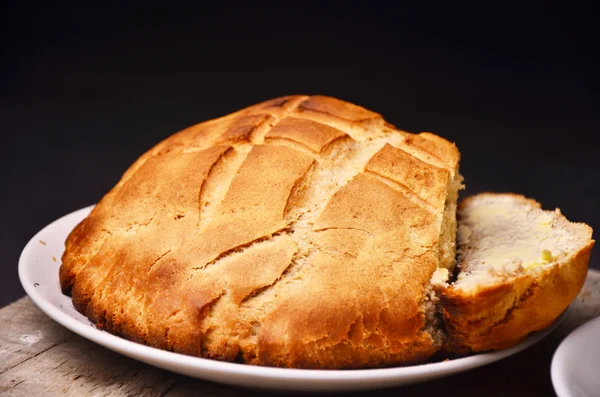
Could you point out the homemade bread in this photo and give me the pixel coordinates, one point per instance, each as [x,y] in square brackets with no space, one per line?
[307,232]
[299,232]
[519,267]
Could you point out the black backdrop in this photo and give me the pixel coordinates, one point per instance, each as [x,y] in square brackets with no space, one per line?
[84,92]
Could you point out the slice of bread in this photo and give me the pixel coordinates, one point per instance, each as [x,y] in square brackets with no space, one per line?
[519,267]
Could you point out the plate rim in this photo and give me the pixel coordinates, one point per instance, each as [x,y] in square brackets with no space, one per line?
[252,374]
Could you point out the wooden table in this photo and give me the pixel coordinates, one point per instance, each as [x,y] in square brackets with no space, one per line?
[38,357]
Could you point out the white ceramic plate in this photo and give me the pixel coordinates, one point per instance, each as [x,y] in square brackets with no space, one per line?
[576,363]
[38,271]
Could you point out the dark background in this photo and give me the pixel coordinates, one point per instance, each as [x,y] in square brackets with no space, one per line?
[85,91]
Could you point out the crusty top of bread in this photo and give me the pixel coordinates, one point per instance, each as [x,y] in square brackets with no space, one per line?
[519,268]
[299,232]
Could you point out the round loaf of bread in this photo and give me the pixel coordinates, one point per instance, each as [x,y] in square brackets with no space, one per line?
[299,232]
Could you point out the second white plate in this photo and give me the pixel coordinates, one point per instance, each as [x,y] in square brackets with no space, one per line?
[38,272]
[576,362]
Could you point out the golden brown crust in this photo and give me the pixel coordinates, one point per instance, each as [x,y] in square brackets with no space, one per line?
[251,237]
[502,314]
[332,107]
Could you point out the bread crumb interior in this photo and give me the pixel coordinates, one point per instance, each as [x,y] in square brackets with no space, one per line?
[499,237]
